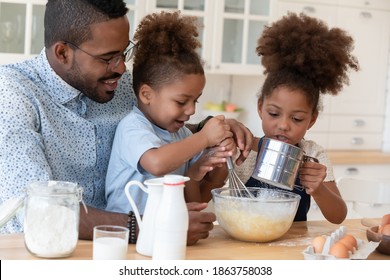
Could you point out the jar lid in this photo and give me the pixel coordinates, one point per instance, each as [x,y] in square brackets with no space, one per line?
[9,208]
[53,188]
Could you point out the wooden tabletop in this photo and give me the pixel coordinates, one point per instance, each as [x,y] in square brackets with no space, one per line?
[219,246]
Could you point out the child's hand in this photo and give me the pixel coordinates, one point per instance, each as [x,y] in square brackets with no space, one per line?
[210,159]
[312,176]
[216,130]
[229,145]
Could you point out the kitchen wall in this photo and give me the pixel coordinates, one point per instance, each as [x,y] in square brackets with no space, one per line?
[240,90]
[386,132]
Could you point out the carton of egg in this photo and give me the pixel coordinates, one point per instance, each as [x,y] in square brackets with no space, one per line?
[362,251]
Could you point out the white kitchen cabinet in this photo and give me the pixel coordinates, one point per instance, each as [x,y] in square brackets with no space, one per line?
[357,209]
[198,8]
[230,32]
[353,120]
[321,10]
[22,31]
[371,31]
[237,26]
[367,171]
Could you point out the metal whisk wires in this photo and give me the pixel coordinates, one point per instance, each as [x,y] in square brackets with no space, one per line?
[236,186]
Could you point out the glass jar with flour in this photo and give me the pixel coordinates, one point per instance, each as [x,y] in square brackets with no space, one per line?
[51,219]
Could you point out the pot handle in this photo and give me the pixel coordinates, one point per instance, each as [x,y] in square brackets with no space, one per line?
[299,188]
[306,159]
[309,158]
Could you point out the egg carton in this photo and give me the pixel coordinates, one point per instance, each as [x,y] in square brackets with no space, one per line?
[364,248]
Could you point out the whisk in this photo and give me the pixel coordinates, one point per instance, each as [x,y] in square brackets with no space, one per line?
[236,186]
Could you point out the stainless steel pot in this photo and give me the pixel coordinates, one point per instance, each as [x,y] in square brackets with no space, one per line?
[278,163]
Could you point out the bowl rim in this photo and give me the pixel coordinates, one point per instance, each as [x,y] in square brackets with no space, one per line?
[293,196]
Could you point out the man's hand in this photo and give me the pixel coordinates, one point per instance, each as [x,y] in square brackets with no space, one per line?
[200,223]
[243,138]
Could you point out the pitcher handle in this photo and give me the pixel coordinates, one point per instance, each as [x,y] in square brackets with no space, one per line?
[131,200]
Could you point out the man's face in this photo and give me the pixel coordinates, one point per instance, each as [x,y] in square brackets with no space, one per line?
[89,72]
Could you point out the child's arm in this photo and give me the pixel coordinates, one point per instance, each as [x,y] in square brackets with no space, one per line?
[209,172]
[325,194]
[169,157]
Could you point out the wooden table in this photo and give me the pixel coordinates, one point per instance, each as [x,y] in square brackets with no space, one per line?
[219,246]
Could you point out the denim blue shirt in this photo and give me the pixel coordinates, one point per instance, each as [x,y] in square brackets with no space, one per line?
[134,136]
[50,130]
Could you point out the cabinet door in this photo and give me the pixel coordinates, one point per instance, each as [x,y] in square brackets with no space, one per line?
[356,124]
[135,14]
[366,93]
[12,31]
[22,30]
[238,25]
[367,171]
[230,31]
[202,9]
[355,141]
[326,13]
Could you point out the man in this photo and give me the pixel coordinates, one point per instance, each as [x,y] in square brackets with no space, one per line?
[59,111]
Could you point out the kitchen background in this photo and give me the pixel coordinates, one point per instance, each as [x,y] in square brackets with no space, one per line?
[354,126]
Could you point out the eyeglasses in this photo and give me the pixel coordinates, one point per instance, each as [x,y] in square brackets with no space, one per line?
[113,62]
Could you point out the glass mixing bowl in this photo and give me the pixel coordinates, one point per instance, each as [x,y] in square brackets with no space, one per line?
[264,218]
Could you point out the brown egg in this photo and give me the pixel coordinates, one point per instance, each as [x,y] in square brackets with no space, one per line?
[339,250]
[318,243]
[349,241]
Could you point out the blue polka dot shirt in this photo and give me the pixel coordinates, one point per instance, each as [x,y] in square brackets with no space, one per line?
[51,131]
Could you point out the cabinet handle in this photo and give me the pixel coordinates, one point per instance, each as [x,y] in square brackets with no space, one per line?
[309,9]
[357,141]
[366,14]
[359,123]
[352,171]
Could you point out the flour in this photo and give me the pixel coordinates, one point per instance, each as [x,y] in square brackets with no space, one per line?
[50,230]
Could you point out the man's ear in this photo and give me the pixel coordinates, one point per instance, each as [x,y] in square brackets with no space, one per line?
[62,53]
[145,94]
[313,119]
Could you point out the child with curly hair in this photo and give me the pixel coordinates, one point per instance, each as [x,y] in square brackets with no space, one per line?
[303,58]
[168,80]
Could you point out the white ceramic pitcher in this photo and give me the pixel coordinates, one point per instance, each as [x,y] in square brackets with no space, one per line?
[146,226]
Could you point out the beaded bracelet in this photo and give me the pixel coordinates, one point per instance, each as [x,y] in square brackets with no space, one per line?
[202,123]
[131,226]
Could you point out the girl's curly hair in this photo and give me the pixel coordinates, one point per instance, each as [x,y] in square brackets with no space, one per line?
[301,52]
[166,49]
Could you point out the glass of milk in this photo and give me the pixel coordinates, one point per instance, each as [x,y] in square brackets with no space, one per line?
[110,242]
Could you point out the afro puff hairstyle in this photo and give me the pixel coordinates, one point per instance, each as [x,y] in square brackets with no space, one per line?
[301,52]
[166,49]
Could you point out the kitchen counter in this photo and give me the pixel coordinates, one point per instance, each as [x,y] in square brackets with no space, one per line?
[359,157]
[219,246]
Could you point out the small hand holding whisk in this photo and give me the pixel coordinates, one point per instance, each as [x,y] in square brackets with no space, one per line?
[235,184]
